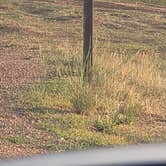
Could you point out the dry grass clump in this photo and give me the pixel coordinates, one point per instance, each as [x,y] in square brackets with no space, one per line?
[122,91]
[133,81]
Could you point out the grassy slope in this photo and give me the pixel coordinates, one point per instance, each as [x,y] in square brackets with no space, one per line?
[157,2]
[130,68]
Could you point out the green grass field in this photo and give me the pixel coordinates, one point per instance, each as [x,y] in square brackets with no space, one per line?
[129,74]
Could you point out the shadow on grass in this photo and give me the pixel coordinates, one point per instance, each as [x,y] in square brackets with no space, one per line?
[9,29]
[43,110]
[64,18]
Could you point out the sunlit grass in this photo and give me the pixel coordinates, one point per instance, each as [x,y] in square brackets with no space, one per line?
[157,2]
[134,81]
[128,74]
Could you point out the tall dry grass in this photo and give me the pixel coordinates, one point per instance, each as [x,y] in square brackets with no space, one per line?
[135,81]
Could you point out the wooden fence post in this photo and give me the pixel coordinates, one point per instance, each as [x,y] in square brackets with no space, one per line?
[88,41]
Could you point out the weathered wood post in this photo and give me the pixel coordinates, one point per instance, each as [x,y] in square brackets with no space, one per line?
[88,41]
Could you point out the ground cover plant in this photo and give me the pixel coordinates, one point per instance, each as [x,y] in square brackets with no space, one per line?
[45,106]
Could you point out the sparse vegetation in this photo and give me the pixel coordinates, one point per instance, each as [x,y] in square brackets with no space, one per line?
[42,76]
[157,2]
